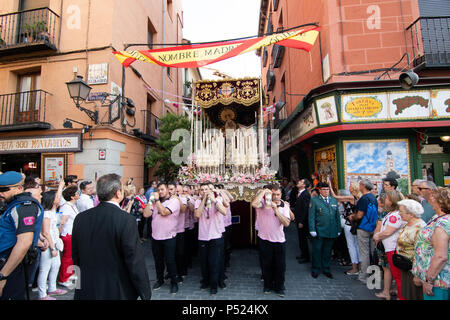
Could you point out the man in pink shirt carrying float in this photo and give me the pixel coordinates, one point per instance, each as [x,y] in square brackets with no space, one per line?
[209,210]
[273,216]
[165,212]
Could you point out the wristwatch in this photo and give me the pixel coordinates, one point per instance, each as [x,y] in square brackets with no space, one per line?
[52,249]
[3,277]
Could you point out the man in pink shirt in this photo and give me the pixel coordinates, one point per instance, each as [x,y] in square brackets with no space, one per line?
[272,218]
[180,251]
[210,211]
[165,212]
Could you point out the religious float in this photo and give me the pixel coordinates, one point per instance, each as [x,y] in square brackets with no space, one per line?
[229,146]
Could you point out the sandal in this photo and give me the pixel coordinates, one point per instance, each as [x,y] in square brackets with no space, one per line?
[382,296]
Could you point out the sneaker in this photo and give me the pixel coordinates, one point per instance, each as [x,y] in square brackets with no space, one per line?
[57,292]
[266,290]
[73,277]
[67,284]
[179,279]
[47,298]
[349,273]
[173,288]
[280,293]
[158,285]
[222,285]
[204,286]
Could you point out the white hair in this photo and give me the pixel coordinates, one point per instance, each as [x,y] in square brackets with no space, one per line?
[412,207]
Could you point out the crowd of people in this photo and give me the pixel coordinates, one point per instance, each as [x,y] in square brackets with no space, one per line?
[407,236]
[99,227]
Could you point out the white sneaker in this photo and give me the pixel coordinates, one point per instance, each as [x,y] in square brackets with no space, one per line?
[73,277]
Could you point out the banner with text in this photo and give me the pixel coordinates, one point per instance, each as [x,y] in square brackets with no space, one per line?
[194,56]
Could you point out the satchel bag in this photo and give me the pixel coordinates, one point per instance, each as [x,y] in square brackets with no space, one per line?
[380,246]
[401,262]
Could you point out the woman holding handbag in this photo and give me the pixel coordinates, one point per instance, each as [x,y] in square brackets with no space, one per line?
[50,260]
[389,231]
[410,211]
[431,266]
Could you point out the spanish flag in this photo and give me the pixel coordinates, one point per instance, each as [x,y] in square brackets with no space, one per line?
[194,56]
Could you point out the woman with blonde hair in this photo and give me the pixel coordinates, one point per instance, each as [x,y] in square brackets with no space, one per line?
[129,203]
[349,204]
[389,231]
[431,266]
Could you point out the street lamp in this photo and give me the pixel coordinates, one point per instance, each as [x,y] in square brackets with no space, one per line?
[408,79]
[79,92]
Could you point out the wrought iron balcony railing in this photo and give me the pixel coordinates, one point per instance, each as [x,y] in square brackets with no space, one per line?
[430,41]
[28,30]
[23,110]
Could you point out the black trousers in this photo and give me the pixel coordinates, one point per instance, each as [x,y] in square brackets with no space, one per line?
[273,256]
[141,225]
[210,260]
[303,235]
[164,255]
[190,242]
[15,286]
[180,253]
[227,247]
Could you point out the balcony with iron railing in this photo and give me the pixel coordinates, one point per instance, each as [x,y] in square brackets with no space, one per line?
[23,110]
[429,39]
[27,31]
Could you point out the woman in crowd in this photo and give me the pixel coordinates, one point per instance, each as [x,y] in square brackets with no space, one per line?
[68,213]
[388,234]
[431,266]
[142,201]
[382,257]
[50,260]
[410,211]
[131,205]
[349,204]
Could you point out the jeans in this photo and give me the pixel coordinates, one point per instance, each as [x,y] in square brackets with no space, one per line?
[164,255]
[303,235]
[273,257]
[352,244]
[210,259]
[48,269]
[365,245]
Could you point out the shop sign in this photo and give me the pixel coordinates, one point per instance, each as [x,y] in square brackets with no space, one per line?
[285,139]
[53,169]
[364,107]
[61,143]
[303,124]
[326,109]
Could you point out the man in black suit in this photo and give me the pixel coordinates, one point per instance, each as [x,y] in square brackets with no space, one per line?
[301,219]
[107,250]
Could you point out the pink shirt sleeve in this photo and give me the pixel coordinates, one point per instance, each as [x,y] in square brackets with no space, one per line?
[173,205]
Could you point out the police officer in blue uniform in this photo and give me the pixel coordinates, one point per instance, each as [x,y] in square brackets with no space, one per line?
[20,223]
[324,227]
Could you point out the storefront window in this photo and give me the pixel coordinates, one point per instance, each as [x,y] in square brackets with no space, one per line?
[428,171]
[446,170]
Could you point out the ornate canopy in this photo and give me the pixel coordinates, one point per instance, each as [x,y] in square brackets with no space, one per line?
[244,92]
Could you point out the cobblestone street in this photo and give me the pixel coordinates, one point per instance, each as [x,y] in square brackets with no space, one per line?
[244,283]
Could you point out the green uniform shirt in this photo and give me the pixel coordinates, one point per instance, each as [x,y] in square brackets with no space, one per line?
[324,218]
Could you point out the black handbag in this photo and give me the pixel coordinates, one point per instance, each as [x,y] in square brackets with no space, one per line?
[401,262]
[380,247]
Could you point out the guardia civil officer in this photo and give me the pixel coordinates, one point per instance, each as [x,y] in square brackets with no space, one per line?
[20,224]
[324,227]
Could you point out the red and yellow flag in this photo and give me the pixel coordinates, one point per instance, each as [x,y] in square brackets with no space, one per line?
[194,56]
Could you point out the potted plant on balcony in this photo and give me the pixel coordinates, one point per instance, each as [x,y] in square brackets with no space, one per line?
[36,31]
